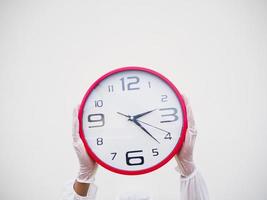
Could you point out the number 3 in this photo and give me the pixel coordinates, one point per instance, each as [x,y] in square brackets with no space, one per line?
[170,117]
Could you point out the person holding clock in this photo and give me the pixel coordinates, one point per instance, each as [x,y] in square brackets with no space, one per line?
[192,187]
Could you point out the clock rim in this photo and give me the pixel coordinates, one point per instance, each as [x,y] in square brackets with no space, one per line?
[177,147]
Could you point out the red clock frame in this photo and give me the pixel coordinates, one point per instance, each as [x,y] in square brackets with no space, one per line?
[164,161]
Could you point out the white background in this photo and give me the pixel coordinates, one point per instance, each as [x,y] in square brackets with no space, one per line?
[214,51]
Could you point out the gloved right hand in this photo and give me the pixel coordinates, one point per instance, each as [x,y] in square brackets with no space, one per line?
[88,166]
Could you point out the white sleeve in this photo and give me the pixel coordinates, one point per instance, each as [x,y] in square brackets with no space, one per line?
[193,187]
[70,194]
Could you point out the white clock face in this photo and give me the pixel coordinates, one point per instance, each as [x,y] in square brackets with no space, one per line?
[132,121]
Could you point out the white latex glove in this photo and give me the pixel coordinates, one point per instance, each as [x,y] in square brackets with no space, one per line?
[184,158]
[88,166]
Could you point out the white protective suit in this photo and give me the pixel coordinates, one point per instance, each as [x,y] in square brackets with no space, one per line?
[192,185]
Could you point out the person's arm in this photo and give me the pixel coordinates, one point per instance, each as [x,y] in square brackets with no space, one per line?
[83,187]
[193,186]
[69,193]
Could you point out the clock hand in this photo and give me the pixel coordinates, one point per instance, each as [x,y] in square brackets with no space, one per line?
[153,126]
[138,124]
[131,118]
[128,116]
[142,114]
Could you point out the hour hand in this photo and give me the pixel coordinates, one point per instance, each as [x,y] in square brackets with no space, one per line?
[135,117]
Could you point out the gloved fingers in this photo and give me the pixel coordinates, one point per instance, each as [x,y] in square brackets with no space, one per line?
[75,125]
[191,132]
[190,140]
[184,158]
[190,116]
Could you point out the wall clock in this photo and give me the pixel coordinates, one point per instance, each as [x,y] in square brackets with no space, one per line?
[132,120]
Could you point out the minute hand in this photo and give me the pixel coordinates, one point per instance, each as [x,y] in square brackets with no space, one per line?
[138,124]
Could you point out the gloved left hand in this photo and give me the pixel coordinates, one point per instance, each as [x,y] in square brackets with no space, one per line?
[184,158]
[88,166]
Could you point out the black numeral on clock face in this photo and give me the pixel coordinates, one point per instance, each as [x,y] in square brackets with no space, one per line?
[170,116]
[155,152]
[114,155]
[110,88]
[132,83]
[149,84]
[99,141]
[99,103]
[132,158]
[164,98]
[168,136]
[97,119]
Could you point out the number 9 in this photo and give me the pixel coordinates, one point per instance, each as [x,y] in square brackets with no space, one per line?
[97,119]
